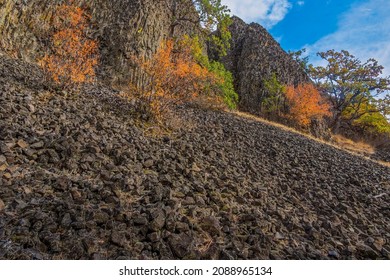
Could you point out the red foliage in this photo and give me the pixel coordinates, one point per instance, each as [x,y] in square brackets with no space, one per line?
[174,77]
[305,104]
[73,56]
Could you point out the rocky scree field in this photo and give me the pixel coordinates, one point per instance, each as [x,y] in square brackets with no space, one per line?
[79,179]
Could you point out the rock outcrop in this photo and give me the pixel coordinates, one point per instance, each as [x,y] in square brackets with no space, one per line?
[124,29]
[253,57]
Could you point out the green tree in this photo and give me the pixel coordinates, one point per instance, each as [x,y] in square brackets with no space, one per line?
[373,122]
[275,101]
[299,57]
[224,79]
[351,84]
[206,16]
[225,84]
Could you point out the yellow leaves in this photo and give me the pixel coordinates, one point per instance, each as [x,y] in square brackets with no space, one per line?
[182,70]
[305,104]
[73,56]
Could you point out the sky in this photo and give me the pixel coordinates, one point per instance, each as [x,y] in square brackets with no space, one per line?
[361,27]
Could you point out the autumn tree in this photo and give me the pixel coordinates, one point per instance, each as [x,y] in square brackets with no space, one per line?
[350,84]
[305,104]
[223,82]
[175,77]
[371,122]
[72,56]
[205,16]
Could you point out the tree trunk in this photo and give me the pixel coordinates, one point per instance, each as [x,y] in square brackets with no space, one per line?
[336,123]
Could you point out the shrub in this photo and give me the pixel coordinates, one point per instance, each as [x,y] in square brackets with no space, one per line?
[225,84]
[274,103]
[305,104]
[72,56]
[172,77]
[224,79]
[180,73]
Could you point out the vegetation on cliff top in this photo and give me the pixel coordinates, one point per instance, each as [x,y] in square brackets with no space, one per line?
[210,15]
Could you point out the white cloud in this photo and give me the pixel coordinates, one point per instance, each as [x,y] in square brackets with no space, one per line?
[363,31]
[266,12]
[301,3]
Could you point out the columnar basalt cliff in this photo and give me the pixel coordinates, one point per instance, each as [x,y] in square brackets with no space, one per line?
[124,29]
[127,29]
[253,57]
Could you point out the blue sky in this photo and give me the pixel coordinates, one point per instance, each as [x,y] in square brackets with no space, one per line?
[360,26]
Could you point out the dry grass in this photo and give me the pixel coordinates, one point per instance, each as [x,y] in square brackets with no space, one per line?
[350,145]
[361,149]
[171,124]
[384,163]
[275,124]
[45,96]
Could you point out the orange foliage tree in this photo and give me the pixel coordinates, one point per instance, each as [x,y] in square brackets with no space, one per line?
[73,56]
[173,76]
[305,104]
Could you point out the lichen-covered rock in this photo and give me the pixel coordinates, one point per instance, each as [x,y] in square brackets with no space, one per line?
[253,57]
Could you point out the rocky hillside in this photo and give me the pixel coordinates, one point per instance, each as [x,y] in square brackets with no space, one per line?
[80,180]
[254,56]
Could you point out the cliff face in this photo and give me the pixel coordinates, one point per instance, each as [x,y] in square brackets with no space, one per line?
[253,57]
[123,28]
[131,28]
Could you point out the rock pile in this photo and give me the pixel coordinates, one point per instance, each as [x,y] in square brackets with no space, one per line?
[79,180]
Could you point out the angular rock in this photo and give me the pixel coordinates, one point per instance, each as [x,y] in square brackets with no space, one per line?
[2,205]
[158,222]
[3,167]
[180,244]
[66,220]
[140,220]
[211,225]
[37,145]
[3,159]
[118,238]
[149,163]
[22,144]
